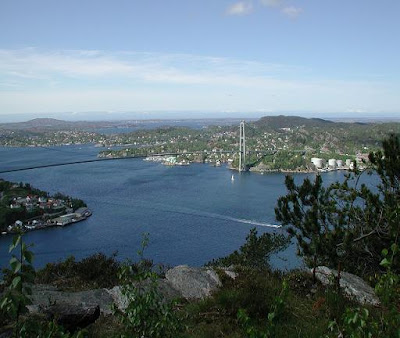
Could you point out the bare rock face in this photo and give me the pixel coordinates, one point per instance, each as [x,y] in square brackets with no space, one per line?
[78,309]
[44,296]
[352,285]
[163,287]
[193,283]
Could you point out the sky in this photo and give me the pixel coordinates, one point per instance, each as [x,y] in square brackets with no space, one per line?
[200,58]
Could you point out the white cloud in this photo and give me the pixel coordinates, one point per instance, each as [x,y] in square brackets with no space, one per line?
[356,110]
[271,3]
[35,80]
[29,65]
[292,12]
[240,8]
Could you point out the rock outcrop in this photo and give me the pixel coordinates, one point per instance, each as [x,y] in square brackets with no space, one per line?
[352,285]
[180,282]
[193,283]
[163,286]
[44,296]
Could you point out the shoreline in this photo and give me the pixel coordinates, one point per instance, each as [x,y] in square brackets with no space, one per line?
[49,224]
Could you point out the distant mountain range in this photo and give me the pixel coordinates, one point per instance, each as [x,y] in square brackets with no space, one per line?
[40,124]
[51,124]
[274,122]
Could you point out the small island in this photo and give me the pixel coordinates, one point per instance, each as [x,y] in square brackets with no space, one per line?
[24,208]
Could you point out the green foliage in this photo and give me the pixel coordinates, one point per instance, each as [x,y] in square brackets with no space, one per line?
[345,223]
[276,314]
[356,324]
[359,323]
[37,327]
[388,286]
[314,219]
[77,203]
[255,252]
[96,271]
[286,160]
[15,298]
[147,313]
[253,291]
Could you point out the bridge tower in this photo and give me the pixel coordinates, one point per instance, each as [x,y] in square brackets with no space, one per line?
[242,149]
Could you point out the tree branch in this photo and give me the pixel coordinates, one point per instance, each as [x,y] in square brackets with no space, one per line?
[360,238]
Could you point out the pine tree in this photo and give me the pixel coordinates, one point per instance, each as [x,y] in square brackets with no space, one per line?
[347,224]
[312,216]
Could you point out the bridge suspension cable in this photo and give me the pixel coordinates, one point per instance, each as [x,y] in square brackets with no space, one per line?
[242,148]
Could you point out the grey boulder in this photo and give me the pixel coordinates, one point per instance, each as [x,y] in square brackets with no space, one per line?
[193,283]
[352,285]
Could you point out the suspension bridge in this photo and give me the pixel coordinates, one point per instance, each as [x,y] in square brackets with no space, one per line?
[242,151]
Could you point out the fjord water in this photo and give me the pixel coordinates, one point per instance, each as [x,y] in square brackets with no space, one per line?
[193,213]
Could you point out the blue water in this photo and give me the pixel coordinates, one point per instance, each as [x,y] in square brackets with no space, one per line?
[193,214]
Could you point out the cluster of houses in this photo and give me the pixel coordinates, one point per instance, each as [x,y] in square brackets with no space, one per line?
[44,203]
[55,212]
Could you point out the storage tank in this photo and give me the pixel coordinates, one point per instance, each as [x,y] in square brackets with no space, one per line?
[332,163]
[318,162]
[339,163]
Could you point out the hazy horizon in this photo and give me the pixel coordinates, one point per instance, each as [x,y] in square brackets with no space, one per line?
[167,115]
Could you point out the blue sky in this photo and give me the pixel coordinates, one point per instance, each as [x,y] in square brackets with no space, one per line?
[219,57]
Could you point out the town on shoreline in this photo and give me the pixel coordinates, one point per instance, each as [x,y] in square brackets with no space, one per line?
[24,208]
[273,143]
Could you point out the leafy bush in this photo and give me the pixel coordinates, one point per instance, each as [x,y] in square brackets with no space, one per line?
[14,301]
[252,291]
[147,313]
[276,314]
[360,322]
[96,271]
[15,298]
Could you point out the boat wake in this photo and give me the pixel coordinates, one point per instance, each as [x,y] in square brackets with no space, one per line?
[188,211]
[261,224]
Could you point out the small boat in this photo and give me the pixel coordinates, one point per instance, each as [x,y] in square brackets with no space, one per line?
[232,178]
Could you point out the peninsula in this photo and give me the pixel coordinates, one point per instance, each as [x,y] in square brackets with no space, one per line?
[24,208]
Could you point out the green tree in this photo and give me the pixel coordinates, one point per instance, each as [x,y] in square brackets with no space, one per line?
[313,218]
[347,223]
[255,252]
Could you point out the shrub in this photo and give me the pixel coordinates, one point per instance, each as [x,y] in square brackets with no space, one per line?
[147,313]
[96,271]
